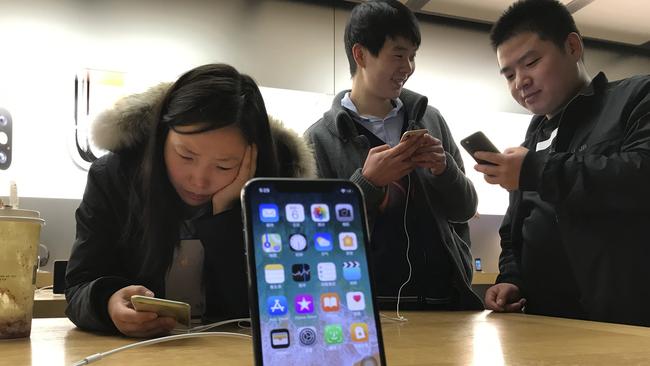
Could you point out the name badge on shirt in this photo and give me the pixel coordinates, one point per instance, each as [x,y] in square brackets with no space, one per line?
[543,145]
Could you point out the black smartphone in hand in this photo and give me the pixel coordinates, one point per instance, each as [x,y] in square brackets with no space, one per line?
[478,142]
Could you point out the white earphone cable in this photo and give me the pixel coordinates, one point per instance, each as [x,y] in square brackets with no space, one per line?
[408,259]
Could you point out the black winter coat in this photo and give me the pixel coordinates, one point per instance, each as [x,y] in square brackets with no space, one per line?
[103,260]
[597,176]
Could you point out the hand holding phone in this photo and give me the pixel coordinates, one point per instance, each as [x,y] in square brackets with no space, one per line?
[163,307]
[478,142]
[134,323]
[386,164]
[430,154]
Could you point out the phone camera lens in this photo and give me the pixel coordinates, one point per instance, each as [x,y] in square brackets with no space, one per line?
[3,121]
[3,157]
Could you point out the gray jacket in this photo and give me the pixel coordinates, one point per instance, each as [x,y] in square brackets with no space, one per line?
[341,152]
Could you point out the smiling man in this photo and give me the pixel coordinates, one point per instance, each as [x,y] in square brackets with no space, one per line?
[417,195]
[574,239]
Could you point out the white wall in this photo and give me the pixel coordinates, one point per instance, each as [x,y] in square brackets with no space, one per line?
[44,44]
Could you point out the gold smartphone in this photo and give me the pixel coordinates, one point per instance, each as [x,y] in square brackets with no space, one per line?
[175,309]
[412,133]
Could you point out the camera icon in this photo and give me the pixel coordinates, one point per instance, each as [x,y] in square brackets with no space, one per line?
[344,212]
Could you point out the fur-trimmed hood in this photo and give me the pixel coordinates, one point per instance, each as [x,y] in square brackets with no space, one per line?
[127,125]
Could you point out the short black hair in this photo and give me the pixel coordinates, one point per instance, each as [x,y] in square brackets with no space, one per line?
[549,19]
[373,21]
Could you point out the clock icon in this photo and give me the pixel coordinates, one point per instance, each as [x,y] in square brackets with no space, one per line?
[298,242]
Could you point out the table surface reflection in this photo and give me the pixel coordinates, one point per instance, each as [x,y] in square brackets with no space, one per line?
[427,338]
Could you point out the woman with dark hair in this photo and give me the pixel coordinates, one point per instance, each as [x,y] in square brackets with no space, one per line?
[160,213]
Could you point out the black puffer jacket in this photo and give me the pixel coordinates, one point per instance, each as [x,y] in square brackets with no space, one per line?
[103,261]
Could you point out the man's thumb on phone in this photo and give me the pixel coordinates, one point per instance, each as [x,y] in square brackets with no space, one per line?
[141,290]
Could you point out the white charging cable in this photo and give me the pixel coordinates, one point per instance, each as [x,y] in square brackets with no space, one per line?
[399,317]
[194,333]
[203,328]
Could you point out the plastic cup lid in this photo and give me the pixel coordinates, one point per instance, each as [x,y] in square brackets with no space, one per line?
[12,214]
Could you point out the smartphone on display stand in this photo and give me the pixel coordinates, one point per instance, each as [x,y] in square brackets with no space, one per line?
[478,142]
[309,273]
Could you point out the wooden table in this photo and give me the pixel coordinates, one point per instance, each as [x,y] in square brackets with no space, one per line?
[48,304]
[484,278]
[428,338]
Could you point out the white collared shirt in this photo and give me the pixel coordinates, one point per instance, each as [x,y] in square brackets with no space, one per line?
[387,129]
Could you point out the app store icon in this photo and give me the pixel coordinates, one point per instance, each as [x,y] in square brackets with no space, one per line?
[276,305]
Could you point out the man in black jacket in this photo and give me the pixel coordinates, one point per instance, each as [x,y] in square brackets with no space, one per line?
[574,239]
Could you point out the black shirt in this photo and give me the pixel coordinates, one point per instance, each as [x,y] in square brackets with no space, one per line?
[550,286]
[431,270]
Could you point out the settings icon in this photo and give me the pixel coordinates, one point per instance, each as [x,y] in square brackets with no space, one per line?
[307,336]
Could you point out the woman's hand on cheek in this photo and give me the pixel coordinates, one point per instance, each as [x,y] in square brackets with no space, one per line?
[225,197]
